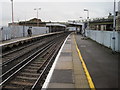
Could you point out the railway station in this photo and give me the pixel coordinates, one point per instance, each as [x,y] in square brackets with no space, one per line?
[39,55]
[63,59]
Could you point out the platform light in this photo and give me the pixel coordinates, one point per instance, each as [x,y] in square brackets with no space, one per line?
[87,19]
[12,12]
[85,10]
[37,9]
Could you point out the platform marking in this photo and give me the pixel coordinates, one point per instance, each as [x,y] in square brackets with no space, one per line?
[91,84]
[47,81]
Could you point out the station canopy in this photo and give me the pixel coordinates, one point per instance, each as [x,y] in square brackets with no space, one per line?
[75,23]
[55,24]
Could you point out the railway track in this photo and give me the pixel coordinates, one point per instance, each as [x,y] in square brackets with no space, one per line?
[12,58]
[31,72]
[12,55]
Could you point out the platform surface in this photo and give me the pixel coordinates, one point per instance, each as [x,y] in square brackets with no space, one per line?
[102,64]
[68,71]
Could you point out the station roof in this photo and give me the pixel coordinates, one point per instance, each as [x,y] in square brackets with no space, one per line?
[75,23]
[55,24]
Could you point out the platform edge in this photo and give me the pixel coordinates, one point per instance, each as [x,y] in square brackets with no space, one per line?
[89,79]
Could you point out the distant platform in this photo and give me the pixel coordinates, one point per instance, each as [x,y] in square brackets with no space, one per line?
[17,41]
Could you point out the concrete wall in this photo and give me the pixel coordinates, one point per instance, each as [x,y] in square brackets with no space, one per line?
[20,31]
[105,38]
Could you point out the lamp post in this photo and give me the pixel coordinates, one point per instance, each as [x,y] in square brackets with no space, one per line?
[12,12]
[87,20]
[87,17]
[37,14]
[114,26]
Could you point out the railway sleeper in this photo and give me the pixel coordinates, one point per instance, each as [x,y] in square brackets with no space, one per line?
[26,78]
[24,82]
[30,71]
[29,74]
[10,87]
[33,67]
[39,59]
[21,85]
[36,64]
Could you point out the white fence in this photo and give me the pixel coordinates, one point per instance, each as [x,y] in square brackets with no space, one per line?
[105,38]
[7,33]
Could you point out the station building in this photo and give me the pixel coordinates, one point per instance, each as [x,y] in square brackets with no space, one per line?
[55,27]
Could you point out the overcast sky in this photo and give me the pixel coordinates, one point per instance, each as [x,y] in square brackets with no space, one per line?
[62,10]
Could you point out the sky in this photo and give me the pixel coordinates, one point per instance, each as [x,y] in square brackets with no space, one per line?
[54,10]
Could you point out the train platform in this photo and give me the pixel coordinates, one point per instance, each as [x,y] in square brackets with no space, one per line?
[16,41]
[101,62]
[83,63]
[68,71]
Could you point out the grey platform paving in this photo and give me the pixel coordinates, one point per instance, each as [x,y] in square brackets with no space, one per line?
[101,63]
[68,72]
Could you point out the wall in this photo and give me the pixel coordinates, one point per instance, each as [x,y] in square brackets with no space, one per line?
[105,38]
[20,31]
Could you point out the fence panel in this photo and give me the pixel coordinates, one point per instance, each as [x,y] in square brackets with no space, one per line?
[20,31]
[105,38]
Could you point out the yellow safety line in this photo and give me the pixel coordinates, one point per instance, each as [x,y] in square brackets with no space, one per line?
[91,84]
